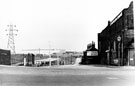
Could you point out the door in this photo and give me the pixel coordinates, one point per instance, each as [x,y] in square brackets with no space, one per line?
[131,57]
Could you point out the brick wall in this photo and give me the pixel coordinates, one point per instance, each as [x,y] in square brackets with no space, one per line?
[121,25]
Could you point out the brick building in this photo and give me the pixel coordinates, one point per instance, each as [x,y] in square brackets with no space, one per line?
[116,41]
[90,56]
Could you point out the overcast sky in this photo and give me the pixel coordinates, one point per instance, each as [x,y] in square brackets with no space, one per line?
[67,24]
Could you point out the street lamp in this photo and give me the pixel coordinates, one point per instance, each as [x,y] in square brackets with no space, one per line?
[119,39]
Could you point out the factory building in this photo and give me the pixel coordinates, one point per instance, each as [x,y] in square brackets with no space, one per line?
[116,41]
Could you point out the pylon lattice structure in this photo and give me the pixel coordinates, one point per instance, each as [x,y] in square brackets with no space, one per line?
[11,43]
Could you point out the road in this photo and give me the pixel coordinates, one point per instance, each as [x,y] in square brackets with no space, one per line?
[67,76]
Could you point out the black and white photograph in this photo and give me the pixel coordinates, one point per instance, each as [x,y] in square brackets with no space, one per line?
[67,43]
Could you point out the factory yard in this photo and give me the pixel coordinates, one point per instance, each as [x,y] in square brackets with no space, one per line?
[69,75]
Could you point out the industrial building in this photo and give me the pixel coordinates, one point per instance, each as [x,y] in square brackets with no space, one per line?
[116,41]
[90,56]
[5,57]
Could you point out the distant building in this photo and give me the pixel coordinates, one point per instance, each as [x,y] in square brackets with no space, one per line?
[116,41]
[67,57]
[90,56]
[22,59]
[5,57]
[30,59]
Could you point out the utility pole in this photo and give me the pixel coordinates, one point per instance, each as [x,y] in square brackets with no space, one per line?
[49,54]
[11,43]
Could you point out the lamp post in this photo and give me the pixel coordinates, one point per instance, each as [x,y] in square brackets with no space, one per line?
[119,60]
[122,45]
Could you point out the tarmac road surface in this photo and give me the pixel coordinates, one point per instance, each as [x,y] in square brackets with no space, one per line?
[67,76]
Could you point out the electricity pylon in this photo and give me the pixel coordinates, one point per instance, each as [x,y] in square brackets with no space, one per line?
[11,43]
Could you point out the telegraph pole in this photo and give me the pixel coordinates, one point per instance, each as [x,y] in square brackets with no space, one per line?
[50,63]
[11,43]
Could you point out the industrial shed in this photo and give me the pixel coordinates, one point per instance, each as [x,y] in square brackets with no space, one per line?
[5,57]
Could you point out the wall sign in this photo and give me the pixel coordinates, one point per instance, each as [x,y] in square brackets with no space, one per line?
[92,53]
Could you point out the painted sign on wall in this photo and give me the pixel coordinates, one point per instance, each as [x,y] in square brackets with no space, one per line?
[92,53]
